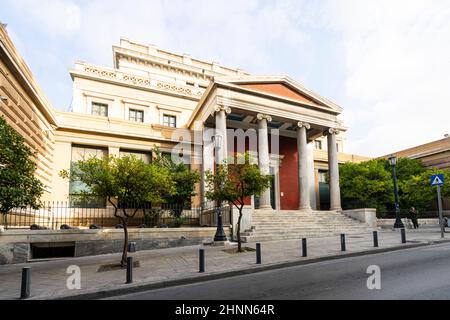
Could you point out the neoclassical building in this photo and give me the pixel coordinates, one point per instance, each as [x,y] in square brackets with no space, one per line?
[151,97]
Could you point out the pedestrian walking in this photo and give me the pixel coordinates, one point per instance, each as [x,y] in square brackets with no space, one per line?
[413,215]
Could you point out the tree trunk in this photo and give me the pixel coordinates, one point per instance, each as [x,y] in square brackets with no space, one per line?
[123,262]
[239,231]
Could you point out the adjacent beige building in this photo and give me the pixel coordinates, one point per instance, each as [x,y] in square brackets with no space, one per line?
[27,110]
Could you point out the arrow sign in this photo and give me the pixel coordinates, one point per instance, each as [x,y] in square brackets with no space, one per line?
[437,180]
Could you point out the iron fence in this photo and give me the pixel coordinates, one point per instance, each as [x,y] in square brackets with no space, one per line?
[64,215]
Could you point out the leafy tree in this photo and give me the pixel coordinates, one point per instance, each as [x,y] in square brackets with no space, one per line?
[370,183]
[127,183]
[236,182]
[19,188]
[184,181]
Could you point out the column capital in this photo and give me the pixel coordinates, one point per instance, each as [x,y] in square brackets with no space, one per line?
[261,116]
[332,131]
[219,108]
[301,124]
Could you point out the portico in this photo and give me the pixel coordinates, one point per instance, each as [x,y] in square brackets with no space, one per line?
[276,120]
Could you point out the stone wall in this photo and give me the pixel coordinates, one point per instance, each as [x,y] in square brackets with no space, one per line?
[15,244]
[389,223]
[366,215]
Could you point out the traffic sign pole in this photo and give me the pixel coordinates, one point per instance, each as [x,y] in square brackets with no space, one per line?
[441,221]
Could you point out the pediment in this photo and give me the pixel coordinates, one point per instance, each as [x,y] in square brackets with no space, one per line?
[284,87]
[282,90]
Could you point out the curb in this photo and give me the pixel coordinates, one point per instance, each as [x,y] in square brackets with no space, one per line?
[100,293]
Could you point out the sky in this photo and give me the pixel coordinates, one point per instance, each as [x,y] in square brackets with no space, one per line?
[385,62]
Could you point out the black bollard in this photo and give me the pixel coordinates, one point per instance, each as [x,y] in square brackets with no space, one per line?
[258,253]
[375,238]
[402,231]
[201,260]
[26,279]
[342,242]
[304,248]
[129,270]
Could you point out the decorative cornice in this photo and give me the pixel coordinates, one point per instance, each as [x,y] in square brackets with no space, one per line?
[219,108]
[301,124]
[262,116]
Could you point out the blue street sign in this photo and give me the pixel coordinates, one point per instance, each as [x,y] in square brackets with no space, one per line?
[437,180]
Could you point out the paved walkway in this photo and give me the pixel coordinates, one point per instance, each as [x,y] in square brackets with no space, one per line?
[48,279]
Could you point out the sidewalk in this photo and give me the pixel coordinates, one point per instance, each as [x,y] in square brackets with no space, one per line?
[172,266]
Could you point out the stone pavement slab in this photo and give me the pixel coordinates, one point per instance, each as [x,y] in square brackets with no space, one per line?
[171,266]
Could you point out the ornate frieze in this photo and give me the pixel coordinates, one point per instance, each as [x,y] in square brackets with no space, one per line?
[144,82]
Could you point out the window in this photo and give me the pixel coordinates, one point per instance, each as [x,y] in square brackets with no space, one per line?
[169,121]
[99,109]
[322,177]
[318,144]
[136,115]
[142,155]
[76,187]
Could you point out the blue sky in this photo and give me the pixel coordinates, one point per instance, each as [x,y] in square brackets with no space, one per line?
[386,63]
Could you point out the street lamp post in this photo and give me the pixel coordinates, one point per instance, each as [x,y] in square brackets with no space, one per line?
[220,233]
[398,222]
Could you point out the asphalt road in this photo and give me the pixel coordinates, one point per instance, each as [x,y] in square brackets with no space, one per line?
[419,273]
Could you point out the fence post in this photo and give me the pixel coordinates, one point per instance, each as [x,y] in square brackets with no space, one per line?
[258,253]
[403,234]
[129,270]
[343,242]
[201,260]
[375,238]
[25,286]
[304,248]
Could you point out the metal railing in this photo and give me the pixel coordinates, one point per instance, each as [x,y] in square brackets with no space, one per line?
[64,215]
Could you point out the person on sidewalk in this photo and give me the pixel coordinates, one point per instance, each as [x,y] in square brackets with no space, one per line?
[413,214]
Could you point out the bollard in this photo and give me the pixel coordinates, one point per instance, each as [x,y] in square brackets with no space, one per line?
[402,231]
[375,238]
[304,248]
[129,270]
[201,260]
[258,253]
[25,287]
[342,242]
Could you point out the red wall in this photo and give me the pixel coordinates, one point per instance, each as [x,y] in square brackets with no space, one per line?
[289,174]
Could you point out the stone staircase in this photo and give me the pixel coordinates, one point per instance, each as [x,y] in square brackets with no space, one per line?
[295,224]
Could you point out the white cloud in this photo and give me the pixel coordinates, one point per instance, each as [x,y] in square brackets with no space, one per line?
[397,59]
[387,62]
[56,17]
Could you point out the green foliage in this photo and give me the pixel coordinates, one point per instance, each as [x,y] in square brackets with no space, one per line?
[184,181]
[128,180]
[19,187]
[176,222]
[236,182]
[370,183]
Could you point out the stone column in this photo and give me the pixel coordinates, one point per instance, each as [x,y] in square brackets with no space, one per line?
[311,176]
[221,130]
[263,156]
[303,179]
[333,171]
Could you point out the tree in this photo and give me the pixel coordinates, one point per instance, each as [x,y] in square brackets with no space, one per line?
[236,182]
[370,183]
[19,188]
[184,181]
[127,183]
